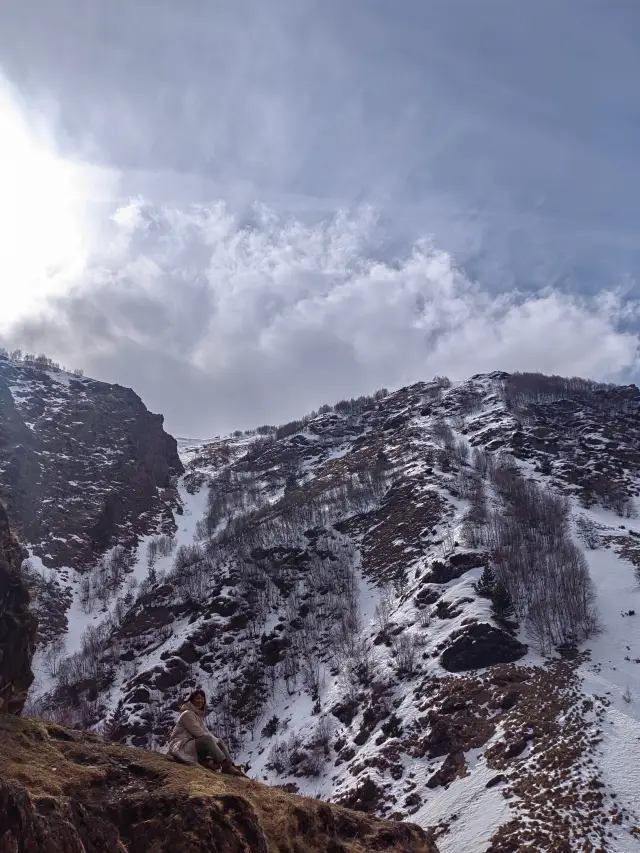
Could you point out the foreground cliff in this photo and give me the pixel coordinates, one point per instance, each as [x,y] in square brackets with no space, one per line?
[84,466]
[17,625]
[65,791]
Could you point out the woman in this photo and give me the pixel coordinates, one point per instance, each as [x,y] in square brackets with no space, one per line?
[191,741]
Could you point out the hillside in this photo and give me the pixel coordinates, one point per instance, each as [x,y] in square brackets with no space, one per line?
[83,465]
[63,791]
[420,604]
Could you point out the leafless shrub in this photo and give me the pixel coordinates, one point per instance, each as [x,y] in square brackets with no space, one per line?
[405,648]
[523,388]
[362,665]
[311,675]
[482,461]
[161,545]
[165,632]
[588,531]
[442,434]
[424,617]
[286,756]
[400,582]
[469,484]
[461,452]
[117,562]
[323,733]
[191,572]
[53,655]
[384,609]
[312,763]
[545,575]
[561,607]
[448,543]
[609,494]
[441,381]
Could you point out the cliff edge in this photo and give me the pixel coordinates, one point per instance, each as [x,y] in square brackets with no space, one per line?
[64,791]
[17,625]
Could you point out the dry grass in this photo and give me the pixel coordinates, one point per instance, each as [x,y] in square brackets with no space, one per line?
[51,762]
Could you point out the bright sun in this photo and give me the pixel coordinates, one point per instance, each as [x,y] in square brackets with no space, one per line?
[44,230]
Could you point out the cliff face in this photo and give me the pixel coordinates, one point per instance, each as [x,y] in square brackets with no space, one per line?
[61,792]
[84,465]
[17,625]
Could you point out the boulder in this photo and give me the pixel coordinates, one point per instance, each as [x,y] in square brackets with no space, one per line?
[456,566]
[481,645]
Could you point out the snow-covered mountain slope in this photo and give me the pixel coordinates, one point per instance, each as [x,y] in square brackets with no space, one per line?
[418,604]
[83,465]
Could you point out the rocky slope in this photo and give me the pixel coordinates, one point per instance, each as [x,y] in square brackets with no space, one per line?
[17,624]
[419,604]
[63,791]
[83,465]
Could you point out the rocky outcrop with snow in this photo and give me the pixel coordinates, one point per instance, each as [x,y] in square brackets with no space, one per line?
[418,604]
[83,465]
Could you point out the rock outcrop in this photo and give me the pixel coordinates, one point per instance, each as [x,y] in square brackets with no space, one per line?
[17,625]
[61,792]
[83,464]
[479,646]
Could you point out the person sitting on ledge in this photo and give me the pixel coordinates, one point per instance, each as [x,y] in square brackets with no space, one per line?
[191,742]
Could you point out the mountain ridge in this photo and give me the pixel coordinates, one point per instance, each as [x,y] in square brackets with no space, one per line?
[325,585]
[83,464]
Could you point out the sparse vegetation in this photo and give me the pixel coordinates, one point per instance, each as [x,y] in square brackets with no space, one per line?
[264,608]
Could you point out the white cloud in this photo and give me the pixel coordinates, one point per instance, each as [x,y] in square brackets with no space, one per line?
[263,319]
[45,218]
[447,123]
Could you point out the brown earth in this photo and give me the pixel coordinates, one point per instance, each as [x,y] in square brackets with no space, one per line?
[63,791]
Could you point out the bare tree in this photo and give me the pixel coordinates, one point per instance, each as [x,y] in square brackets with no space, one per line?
[405,650]
[53,655]
[384,609]
[588,531]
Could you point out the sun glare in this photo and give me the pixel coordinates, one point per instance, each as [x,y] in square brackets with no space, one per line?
[43,207]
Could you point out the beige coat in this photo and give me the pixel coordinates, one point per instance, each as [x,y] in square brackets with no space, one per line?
[182,741]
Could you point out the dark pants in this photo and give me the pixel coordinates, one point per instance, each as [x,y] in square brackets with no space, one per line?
[209,746]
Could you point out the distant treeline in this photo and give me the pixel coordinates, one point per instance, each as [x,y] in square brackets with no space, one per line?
[40,360]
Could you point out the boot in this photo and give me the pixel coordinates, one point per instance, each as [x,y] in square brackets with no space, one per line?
[230,769]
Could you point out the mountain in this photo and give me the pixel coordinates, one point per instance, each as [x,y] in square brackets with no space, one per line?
[419,604]
[83,464]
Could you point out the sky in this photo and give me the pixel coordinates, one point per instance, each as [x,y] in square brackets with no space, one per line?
[244,209]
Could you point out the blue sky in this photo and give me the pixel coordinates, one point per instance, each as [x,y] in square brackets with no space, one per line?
[248,208]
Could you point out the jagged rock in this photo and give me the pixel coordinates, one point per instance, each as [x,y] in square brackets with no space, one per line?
[345,712]
[85,464]
[479,646]
[452,767]
[363,798]
[456,566]
[86,794]
[17,626]
[499,779]
[427,595]
[272,650]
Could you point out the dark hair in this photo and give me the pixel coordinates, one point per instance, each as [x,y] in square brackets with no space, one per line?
[195,693]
